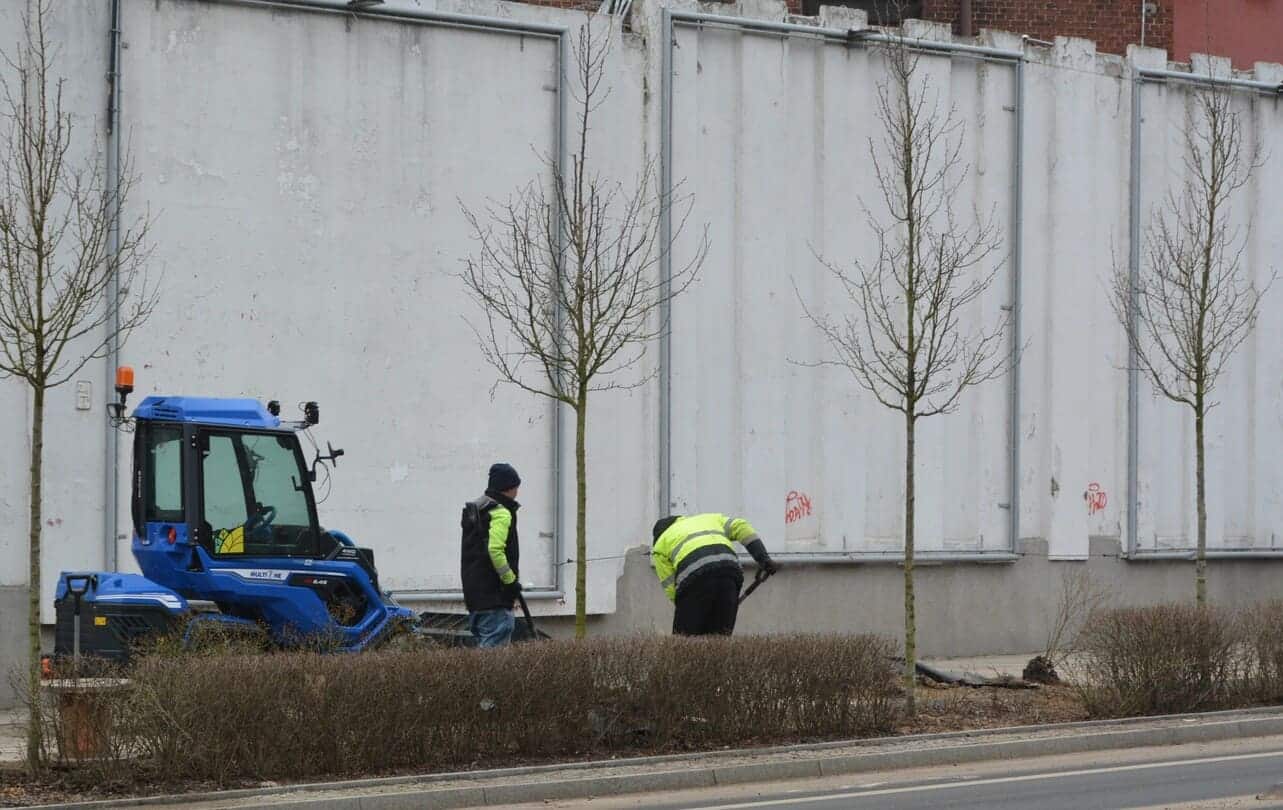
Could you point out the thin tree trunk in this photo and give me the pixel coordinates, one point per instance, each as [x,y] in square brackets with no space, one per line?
[910,619]
[1200,564]
[581,520]
[34,759]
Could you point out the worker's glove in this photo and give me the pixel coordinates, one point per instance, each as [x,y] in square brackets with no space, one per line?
[512,590]
[758,551]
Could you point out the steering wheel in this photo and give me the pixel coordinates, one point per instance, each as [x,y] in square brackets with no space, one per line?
[260,526]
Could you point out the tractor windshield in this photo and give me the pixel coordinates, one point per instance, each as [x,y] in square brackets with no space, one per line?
[255,495]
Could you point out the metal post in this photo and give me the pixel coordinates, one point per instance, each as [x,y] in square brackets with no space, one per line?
[77,586]
[1156,75]
[558,412]
[443,19]
[111,459]
[1017,246]
[840,36]
[666,264]
[1133,362]
[75,637]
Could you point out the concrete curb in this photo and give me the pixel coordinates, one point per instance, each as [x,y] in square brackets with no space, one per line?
[702,770]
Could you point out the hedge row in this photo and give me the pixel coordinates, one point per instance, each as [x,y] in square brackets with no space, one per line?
[1180,658]
[303,715]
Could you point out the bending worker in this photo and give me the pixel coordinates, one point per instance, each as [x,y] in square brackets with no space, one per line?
[697,566]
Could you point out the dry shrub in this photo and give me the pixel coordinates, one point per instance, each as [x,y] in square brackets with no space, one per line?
[1080,598]
[301,715]
[1159,659]
[196,636]
[1263,635]
[80,713]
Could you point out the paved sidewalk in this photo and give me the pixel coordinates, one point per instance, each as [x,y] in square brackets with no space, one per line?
[989,665]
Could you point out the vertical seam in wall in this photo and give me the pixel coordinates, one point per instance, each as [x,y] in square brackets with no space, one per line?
[737,270]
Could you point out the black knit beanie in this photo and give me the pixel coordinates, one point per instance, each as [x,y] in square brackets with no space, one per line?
[661,526]
[503,477]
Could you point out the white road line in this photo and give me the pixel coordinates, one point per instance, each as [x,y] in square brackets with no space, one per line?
[1033,777]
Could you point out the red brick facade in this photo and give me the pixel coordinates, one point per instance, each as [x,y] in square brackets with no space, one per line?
[1245,30]
[1112,24]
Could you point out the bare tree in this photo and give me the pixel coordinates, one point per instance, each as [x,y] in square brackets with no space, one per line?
[568,279]
[902,337]
[66,296]
[1080,597]
[1192,302]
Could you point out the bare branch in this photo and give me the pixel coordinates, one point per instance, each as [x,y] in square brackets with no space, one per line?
[1192,302]
[566,274]
[60,278]
[902,336]
[73,280]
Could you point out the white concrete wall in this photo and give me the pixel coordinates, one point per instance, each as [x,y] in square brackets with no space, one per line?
[310,199]
[772,136]
[1244,505]
[74,439]
[305,170]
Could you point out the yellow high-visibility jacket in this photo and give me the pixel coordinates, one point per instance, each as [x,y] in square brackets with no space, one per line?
[696,544]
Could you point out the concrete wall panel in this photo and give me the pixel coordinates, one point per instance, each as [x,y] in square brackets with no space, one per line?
[72,535]
[305,170]
[1242,506]
[747,427]
[308,169]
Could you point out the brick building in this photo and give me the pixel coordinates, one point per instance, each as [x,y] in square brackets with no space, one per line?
[1248,31]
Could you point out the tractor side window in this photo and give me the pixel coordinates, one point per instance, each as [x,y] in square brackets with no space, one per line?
[277,481]
[223,489]
[164,475]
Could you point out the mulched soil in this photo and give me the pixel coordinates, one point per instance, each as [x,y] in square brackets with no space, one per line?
[960,708]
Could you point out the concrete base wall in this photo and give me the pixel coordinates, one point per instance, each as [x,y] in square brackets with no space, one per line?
[13,641]
[962,609]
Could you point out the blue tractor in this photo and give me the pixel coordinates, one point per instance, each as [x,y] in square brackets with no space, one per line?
[225,532]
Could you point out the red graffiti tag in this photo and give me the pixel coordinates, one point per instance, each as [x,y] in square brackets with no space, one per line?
[796,506]
[1095,498]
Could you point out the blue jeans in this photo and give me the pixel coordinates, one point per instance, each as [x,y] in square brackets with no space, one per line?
[492,628]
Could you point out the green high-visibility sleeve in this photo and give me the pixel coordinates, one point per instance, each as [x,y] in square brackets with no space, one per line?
[500,522]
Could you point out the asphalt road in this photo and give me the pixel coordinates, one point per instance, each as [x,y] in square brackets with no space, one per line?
[1192,776]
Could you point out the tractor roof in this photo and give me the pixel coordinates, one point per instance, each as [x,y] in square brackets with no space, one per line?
[207,411]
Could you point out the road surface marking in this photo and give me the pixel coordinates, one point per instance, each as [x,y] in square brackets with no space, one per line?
[1033,777]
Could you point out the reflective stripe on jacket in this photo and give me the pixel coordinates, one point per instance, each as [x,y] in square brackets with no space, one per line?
[697,544]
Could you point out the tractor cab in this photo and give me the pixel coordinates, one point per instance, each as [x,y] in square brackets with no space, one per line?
[224,512]
[229,480]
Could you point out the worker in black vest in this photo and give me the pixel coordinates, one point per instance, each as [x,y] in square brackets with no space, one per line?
[489,558]
[695,560]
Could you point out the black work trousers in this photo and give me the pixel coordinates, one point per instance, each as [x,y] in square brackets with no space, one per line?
[708,604]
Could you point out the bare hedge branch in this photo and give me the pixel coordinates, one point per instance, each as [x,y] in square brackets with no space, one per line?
[305,715]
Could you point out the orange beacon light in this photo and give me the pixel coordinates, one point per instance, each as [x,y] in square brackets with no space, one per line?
[124,387]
